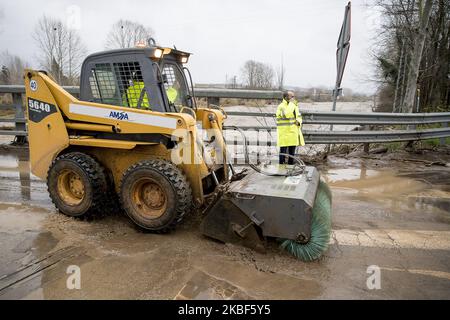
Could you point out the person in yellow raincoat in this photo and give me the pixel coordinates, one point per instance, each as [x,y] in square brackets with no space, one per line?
[289,122]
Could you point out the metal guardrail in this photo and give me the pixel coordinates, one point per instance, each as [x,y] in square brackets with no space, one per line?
[311,136]
[211,94]
[238,93]
[15,133]
[358,118]
[21,89]
[20,129]
[340,118]
[199,92]
[349,137]
[11,120]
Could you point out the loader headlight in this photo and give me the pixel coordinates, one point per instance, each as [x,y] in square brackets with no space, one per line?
[184,59]
[141,44]
[157,53]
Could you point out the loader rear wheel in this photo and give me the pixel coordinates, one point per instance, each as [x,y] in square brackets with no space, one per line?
[77,184]
[155,195]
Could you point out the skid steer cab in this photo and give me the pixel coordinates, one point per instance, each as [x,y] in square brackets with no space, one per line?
[135,141]
[148,78]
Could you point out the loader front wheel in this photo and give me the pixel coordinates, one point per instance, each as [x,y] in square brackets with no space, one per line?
[155,195]
[77,184]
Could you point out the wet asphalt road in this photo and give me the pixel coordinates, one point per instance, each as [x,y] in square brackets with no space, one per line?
[391,215]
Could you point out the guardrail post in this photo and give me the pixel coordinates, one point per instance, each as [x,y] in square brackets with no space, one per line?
[235,150]
[366,145]
[19,114]
[257,146]
[246,148]
[443,140]
[213,100]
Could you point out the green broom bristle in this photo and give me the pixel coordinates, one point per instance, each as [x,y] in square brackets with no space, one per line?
[320,229]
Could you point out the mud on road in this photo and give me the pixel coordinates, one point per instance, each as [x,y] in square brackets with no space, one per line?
[391,214]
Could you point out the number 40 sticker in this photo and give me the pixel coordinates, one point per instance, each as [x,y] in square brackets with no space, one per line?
[33,85]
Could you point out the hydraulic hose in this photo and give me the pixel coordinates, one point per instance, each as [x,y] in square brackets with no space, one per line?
[300,165]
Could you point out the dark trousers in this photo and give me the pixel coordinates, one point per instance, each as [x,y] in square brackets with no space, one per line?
[288,150]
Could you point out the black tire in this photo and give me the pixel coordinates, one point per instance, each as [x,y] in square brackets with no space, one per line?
[111,203]
[155,195]
[90,174]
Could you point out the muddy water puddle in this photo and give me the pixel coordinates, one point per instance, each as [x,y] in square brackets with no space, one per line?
[395,217]
[24,241]
[17,184]
[397,190]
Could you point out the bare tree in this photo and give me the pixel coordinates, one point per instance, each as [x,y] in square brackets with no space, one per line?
[257,75]
[280,75]
[416,56]
[413,52]
[248,73]
[62,50]
[11,68]
[126,34]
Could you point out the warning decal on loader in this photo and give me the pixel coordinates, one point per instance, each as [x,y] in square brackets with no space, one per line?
[38,110]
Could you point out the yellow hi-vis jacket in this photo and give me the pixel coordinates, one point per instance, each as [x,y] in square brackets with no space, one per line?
[134,93]
[288,132]
[172,94]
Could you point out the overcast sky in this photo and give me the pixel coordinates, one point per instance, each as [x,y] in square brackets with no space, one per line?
[221,34]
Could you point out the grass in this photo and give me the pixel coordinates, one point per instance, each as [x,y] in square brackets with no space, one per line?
[436,141]
[394,146]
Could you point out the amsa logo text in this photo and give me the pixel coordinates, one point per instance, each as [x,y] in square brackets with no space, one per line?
[119,115]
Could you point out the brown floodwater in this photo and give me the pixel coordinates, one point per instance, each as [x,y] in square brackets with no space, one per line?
[395,216]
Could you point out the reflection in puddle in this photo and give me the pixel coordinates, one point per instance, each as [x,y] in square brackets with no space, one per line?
[14,218]
[17,184]
[394,190]
[202,287]
[334,175]
[18,163]
[23,243]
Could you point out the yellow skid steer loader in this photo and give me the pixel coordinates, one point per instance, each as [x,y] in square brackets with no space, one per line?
[132,141]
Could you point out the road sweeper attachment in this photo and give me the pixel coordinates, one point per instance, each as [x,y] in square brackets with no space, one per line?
[286,202]
[132,142]
[293,209]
